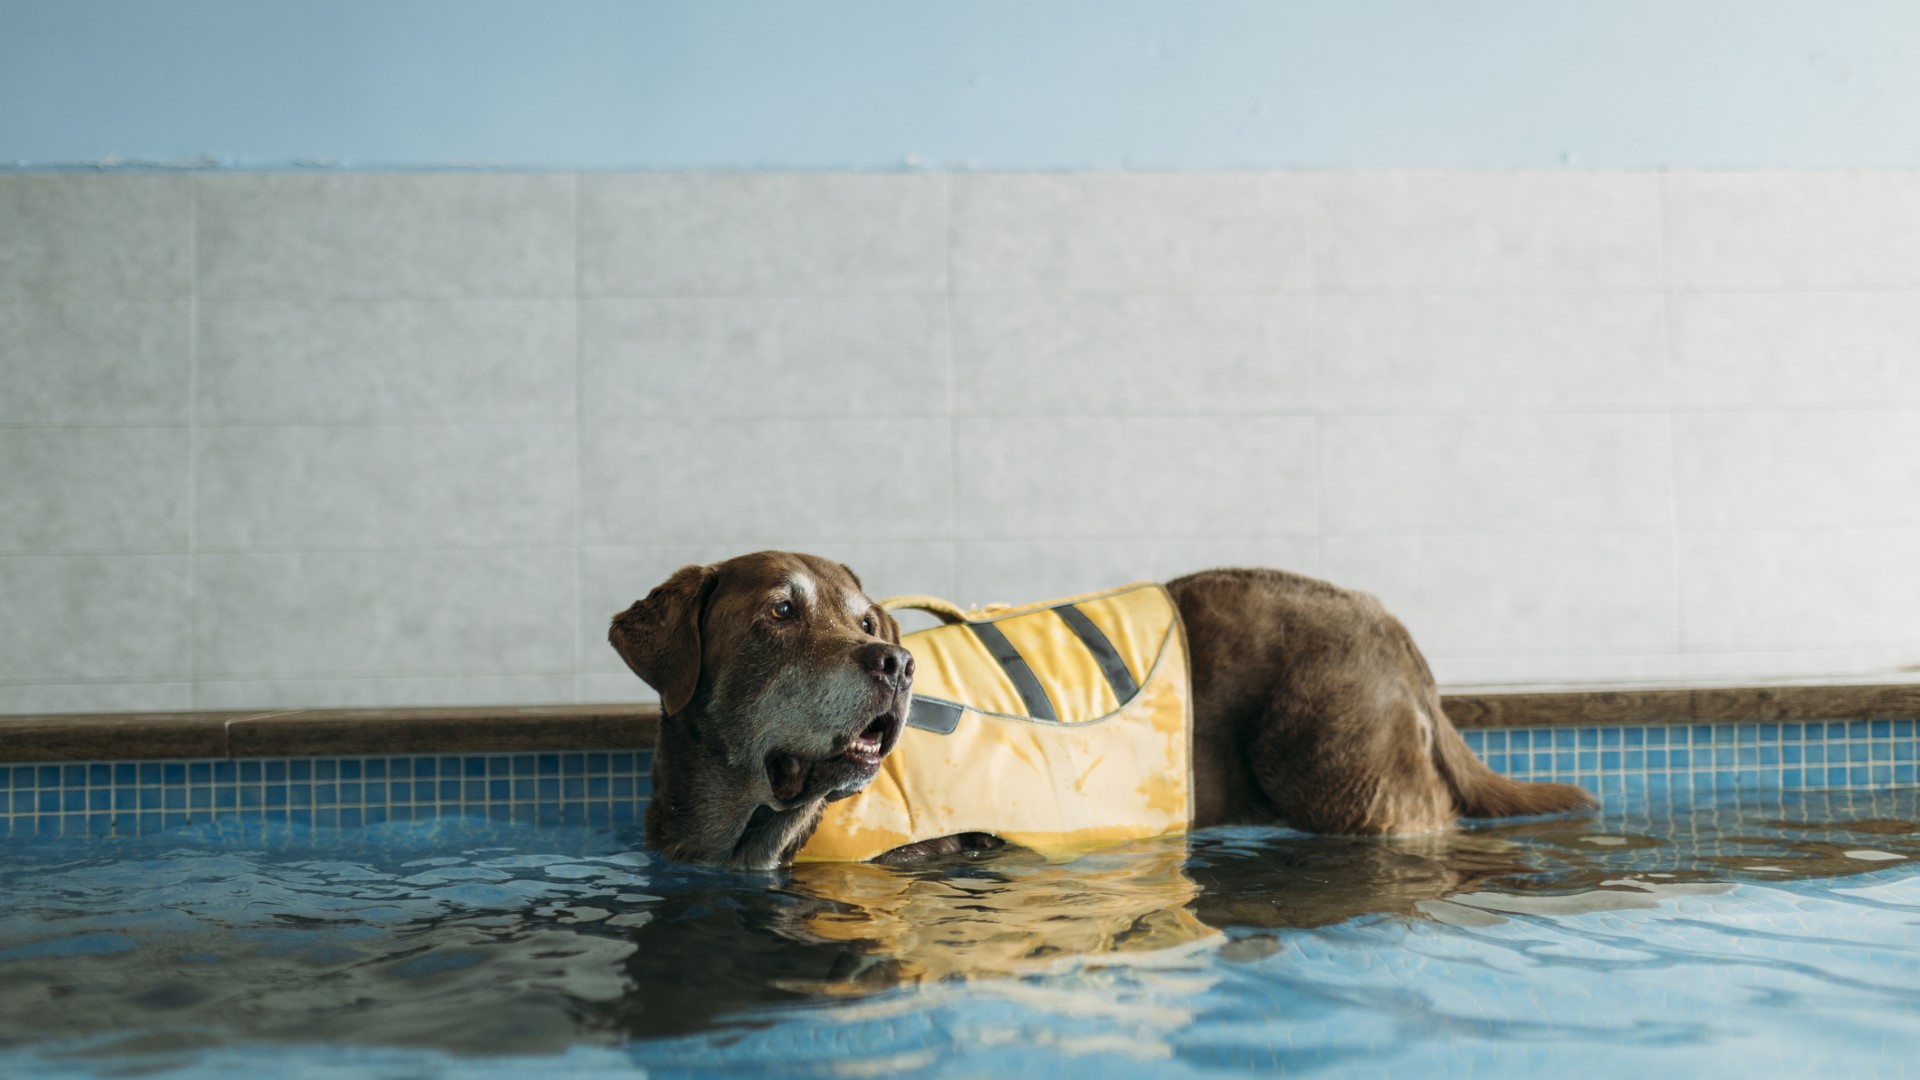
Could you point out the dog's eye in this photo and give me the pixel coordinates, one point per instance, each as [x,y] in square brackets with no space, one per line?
[867,624]
[783,609]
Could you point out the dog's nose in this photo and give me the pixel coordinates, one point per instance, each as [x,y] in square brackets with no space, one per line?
[891,664]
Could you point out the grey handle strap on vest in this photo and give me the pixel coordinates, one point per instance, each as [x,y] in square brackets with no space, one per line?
[931,714]
[945,610]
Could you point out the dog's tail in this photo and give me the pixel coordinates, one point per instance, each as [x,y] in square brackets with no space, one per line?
[1480,792]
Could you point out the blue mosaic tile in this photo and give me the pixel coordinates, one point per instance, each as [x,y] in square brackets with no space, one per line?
[611,789]
[1681,759]
[131,798]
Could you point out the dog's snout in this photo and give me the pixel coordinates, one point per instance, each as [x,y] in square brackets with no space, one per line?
[890,664]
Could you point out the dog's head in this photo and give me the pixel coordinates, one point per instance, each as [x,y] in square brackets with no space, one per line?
[782,685]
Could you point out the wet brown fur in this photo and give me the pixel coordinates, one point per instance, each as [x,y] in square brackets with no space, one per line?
[1312,708]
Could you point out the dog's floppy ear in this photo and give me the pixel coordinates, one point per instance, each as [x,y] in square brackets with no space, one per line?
[659,637]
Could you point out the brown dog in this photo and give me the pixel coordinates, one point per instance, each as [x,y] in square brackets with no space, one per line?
[782,684]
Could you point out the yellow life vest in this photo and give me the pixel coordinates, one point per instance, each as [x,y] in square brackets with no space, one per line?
[1056,726]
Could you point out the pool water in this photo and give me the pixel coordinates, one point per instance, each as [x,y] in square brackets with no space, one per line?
[1732,935]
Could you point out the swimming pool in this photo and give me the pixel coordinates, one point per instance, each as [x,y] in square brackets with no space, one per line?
[1723,931]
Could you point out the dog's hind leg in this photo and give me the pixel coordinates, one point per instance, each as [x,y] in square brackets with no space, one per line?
[1357,764]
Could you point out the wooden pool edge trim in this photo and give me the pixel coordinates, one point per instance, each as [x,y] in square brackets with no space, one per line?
[523,729]
[326,732]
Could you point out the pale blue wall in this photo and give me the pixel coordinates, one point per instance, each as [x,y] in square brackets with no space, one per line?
[1001,84]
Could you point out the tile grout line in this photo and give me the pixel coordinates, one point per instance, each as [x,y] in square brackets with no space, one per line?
[579,438]
[1520,411]
[1680,650]
[1570,532]
[1472,685]
[193,440]
[949,190]
[747,295]
[1313,381]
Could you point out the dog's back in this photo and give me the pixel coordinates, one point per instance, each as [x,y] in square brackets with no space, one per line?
[1313,707]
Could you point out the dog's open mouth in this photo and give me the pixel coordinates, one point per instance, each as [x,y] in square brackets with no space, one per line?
[873,742]
[847,771]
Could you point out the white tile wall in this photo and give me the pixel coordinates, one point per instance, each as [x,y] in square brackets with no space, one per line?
[1130,233]
[686,481]
[1472,596]
[1486,232]
[385,236]
[1496,474]
[1059,478]
[1469,353]
[771,357]
[94,361]
[96,238]
[1793,230]
[1763,590]
[385,361]
[383,613]
[360,692]
[99,696]
[1808,469]
[94,617]
[1741,665]
[1795,350]
[340,439]
[1151,355]
[764,234]
[452,485]
[93,489]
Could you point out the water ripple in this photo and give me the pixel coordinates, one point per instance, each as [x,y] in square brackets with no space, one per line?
[1720,937]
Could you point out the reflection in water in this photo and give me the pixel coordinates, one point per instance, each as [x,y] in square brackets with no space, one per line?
[1008,917]
[481,941]
[847,929]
